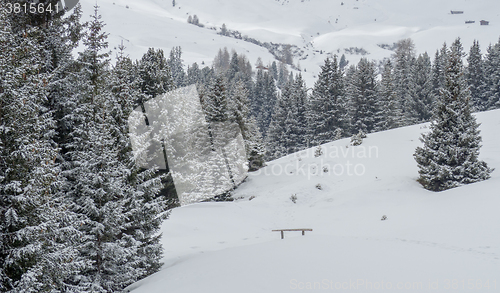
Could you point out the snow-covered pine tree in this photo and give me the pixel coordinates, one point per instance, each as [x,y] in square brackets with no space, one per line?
[389,114]
[217,108]
[282,75]
[263,99]
[438,70]
[176,68]
[343,62]
[144,207]
[193,74]
[362,95]
[420,103]
[476,78]
[155,75]
[276,140]
[221,61]
[274,70]
[234,67]
[404,60]
[61,37]
[492,76]
[120,215]
[298,127]
[215,103]
[449,156]
[37,239]
[239,106]
[327,109]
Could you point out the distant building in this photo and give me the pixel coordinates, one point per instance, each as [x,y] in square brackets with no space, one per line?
[470,21]
[457,12]
[484,22]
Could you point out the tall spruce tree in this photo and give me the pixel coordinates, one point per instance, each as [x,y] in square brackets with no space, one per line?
[37,236]
[362,95]
[420,103]
[276,140]
[404,60]
[263,99]
[299,128]
[120,215]
[438,70]
[327,111]
[175,64]
[389,114]
[476,78]
[288,127]
[492,76]
[239,106]
[449,156]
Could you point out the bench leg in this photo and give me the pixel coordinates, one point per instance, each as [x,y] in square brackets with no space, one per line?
[282,234]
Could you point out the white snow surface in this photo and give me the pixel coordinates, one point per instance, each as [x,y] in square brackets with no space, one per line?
[311,25]
[430,242]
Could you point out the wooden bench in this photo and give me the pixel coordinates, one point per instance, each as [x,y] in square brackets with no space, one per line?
[283,231]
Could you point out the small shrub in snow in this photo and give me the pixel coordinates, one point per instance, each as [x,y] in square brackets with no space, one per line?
[293,198]
[251,197]
[318,152]
[356,140]
[318,186]
[325,169]
[338,134]
[384,217]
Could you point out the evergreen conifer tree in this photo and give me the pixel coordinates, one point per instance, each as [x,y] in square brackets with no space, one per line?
[421,102]
[254,146]
[438,70]
[476,78]
[449,156]
[327,109]
[37,237]
[175,64]
[389,114]
[492,76]
[362,94]
[404,60]
[119,207]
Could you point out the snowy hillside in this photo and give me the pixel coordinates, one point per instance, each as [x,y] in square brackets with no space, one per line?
[430,242]
[314,28]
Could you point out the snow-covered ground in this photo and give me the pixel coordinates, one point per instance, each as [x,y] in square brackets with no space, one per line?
[316,27]
[430,242]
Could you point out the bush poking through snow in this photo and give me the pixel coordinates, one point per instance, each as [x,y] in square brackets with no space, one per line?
[318,152]
[293,198]
[384,217]
[325,169]
[356,139]
[338,134]
[318,186]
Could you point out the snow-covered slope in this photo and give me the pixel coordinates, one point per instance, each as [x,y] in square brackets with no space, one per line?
[316,27]
[430,242]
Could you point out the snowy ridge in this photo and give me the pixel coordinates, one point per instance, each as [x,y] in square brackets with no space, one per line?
[430,242]
[316,27]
